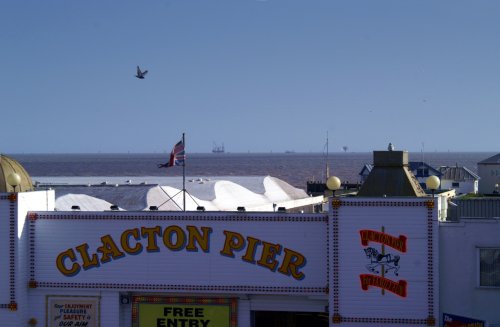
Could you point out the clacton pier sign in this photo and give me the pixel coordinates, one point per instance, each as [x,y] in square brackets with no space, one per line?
[222,251]
[272,256]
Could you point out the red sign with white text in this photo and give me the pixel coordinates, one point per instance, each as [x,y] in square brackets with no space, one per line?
[383,264]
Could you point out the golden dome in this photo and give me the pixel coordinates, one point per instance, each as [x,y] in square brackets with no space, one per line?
[11,172]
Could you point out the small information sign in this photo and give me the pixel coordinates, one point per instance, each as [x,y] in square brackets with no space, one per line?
[72,311]
[450,320]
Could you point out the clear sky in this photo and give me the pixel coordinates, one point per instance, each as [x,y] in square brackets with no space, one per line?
[256,75]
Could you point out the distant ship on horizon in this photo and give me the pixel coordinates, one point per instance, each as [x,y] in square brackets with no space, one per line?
[218,148]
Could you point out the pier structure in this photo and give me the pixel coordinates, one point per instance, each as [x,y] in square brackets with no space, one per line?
[385,259]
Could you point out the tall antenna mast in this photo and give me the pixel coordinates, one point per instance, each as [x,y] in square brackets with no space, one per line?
[423,169]
[327,169]
[184,176]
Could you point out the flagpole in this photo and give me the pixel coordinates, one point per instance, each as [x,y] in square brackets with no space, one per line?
[184,176]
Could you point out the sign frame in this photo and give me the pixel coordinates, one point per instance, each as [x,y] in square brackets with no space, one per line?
[342,212]
[86,299]
[231,303]
[284,278]
[10,263]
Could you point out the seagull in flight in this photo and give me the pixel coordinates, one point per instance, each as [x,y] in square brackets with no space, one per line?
[140,75]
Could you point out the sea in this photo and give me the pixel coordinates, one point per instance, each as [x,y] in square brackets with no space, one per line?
[294,168]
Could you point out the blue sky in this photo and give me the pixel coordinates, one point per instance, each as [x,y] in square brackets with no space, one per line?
[258,76]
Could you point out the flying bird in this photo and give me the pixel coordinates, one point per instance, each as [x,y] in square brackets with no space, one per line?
[140,75]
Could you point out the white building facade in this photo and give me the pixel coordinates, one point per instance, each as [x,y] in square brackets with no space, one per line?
[369,261]
[460,179]
[470,268]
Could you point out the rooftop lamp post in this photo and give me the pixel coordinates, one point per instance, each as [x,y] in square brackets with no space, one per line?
[432,183]
[14,180]
[333,183]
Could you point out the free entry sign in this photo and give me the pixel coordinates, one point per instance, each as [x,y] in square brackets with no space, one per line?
[149,311]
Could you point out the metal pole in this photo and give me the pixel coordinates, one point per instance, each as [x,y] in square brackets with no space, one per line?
[327,168]
[184,175]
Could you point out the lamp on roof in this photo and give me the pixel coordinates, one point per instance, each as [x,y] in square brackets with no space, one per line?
[14,180]
[432,183]
[333,183]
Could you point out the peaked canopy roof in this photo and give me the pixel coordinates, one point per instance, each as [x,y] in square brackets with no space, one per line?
[391,176]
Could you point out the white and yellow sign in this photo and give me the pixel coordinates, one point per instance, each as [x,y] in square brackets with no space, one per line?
[72,311]
[279,254]
[151,311]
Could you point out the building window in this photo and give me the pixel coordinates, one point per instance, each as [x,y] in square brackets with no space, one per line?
[489,267]
[455,184]
[422,172]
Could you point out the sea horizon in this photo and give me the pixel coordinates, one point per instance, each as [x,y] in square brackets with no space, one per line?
[294,168]
[237,152]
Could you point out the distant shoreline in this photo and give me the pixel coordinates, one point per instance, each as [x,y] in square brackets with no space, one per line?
[238,153]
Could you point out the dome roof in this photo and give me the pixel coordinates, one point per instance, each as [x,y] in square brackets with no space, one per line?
[9,166]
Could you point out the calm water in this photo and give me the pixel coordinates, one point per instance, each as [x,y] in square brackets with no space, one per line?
[294,168]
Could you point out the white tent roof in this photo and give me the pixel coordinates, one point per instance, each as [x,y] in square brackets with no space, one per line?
[214,194]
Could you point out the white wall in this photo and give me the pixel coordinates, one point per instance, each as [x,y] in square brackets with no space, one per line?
[55,232]
[464,187]
[459,267]
[8,246]
[110,308]
[23,202]
[394,215]
[244,316]
[288,303]
[28,201]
